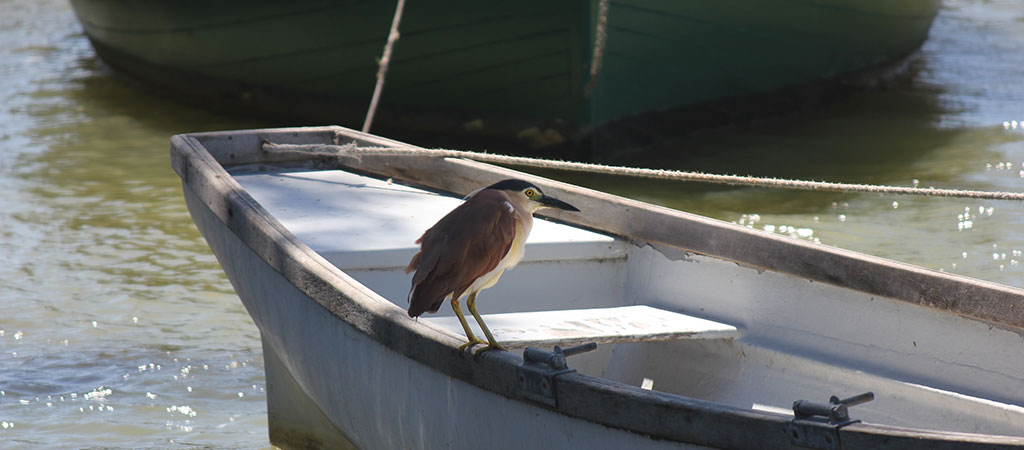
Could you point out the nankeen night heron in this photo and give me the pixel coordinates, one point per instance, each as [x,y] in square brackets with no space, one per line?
[467,250]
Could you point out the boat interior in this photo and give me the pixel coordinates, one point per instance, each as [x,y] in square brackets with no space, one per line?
[674,321]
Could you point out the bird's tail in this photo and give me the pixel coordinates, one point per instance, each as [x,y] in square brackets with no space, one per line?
[426,300]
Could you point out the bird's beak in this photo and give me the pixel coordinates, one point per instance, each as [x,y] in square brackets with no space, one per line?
[552,202]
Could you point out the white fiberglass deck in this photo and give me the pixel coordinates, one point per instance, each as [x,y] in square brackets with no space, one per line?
[379,229]
[368,228]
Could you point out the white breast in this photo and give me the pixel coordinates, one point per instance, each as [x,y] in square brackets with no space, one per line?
[514,255]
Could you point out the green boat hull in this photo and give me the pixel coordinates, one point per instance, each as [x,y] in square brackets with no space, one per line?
[514,71]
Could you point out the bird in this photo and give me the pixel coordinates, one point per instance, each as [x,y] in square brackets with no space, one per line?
[469,249]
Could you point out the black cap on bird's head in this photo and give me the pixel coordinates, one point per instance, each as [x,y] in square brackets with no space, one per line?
[532,192]
[512,184]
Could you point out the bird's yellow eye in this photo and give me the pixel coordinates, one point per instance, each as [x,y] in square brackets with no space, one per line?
[530,193]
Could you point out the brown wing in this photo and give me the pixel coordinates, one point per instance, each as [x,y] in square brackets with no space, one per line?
[464,245]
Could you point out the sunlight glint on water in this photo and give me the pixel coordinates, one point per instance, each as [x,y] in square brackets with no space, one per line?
[120,331]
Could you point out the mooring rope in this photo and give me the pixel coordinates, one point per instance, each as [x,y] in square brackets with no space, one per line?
[382,66]
[600,40]
[659,174]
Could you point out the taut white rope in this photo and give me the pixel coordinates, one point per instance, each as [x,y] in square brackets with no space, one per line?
[600,40]
[660,174]
[382,66]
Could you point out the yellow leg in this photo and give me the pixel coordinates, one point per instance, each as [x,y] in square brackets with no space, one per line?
[473,340]
[491,342]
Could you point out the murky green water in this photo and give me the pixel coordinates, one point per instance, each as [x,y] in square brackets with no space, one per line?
[118,329]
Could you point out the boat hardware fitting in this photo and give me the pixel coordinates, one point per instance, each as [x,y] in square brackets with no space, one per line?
[816,425]
[540,367]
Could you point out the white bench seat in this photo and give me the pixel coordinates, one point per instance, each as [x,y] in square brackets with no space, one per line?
[638,323]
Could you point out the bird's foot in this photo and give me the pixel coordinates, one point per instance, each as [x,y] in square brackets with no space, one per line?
[490,346]
[472,341]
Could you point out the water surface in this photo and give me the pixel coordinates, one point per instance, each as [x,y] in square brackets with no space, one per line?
[118,329]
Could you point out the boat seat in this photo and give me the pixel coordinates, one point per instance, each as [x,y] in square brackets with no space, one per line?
[639,323]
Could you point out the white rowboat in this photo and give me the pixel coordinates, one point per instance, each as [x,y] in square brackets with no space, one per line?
[708,332]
